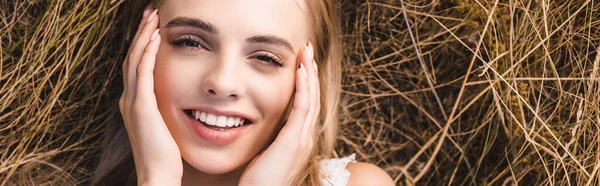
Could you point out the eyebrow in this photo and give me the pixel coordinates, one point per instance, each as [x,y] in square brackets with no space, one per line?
[270,39]
[192,22]
[210,28]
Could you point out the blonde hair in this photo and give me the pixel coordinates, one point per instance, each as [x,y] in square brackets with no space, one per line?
[116,164]
[325,26]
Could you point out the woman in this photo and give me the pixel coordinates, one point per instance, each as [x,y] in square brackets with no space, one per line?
[231,93]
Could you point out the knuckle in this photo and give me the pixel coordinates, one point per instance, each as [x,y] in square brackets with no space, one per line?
[137,104]
[129,57]
[147,49]
[303,88]
[121,110]
[140,69]
[121,103]
[124,65]
[137,109]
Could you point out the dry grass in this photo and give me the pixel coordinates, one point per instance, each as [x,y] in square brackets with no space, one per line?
[445,93]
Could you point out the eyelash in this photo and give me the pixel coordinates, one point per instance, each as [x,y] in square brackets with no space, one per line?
[181,41]
[269,59]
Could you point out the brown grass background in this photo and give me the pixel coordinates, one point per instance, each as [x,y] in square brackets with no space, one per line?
[458,92]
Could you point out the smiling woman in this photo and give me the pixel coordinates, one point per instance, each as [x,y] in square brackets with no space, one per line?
[229,93]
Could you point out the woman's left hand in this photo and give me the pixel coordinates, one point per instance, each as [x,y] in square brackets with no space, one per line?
[285,157]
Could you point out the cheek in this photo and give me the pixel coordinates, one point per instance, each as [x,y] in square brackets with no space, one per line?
[171,78]
[273,95]
[165,81]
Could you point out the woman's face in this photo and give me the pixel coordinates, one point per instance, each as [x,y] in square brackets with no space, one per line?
[225,61]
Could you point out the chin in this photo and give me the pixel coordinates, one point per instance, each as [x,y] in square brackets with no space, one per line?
[213,162]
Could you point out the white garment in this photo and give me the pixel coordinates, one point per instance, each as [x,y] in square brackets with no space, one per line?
[334,170]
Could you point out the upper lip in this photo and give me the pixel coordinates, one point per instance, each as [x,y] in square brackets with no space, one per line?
[223,113]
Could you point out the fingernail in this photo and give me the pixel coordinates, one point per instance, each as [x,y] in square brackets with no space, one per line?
[302,52]
[154,35]
[303,70]
[152,15]
[146,12]
[307,51]
[315,65]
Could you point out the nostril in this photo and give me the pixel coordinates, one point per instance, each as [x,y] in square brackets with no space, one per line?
[214,93]
[210,91]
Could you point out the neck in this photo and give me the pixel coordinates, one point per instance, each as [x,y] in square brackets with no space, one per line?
[192,176]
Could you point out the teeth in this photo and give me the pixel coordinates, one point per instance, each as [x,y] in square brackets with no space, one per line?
[236,121]
[211,119]
[219,121]
[203,117]
[222,121]
[229,121]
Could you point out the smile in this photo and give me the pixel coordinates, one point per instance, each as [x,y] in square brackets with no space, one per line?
[216,121]
[217,127]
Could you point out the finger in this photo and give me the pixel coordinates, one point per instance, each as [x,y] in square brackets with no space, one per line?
[137,51]
[300,107]
[145,69]
[139,44]
[143,23]
[137,33]
[312,88]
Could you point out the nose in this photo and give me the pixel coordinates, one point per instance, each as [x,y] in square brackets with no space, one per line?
[222,81]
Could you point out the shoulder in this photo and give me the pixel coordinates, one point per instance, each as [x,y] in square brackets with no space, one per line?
[367,174]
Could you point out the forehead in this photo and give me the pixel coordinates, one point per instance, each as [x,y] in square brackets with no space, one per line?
[244,18]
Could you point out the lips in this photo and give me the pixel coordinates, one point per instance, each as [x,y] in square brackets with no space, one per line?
[216,128]
[221,121]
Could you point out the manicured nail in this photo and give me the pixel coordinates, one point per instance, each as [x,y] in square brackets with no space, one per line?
[146,12]
[307,51]
[315,65]
[152,15]
[301,52]
[303,70]
[154,35]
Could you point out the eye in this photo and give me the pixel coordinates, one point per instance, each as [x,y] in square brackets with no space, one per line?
[268,59]
[191,42]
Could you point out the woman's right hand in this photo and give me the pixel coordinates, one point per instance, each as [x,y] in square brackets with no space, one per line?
[156,155]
